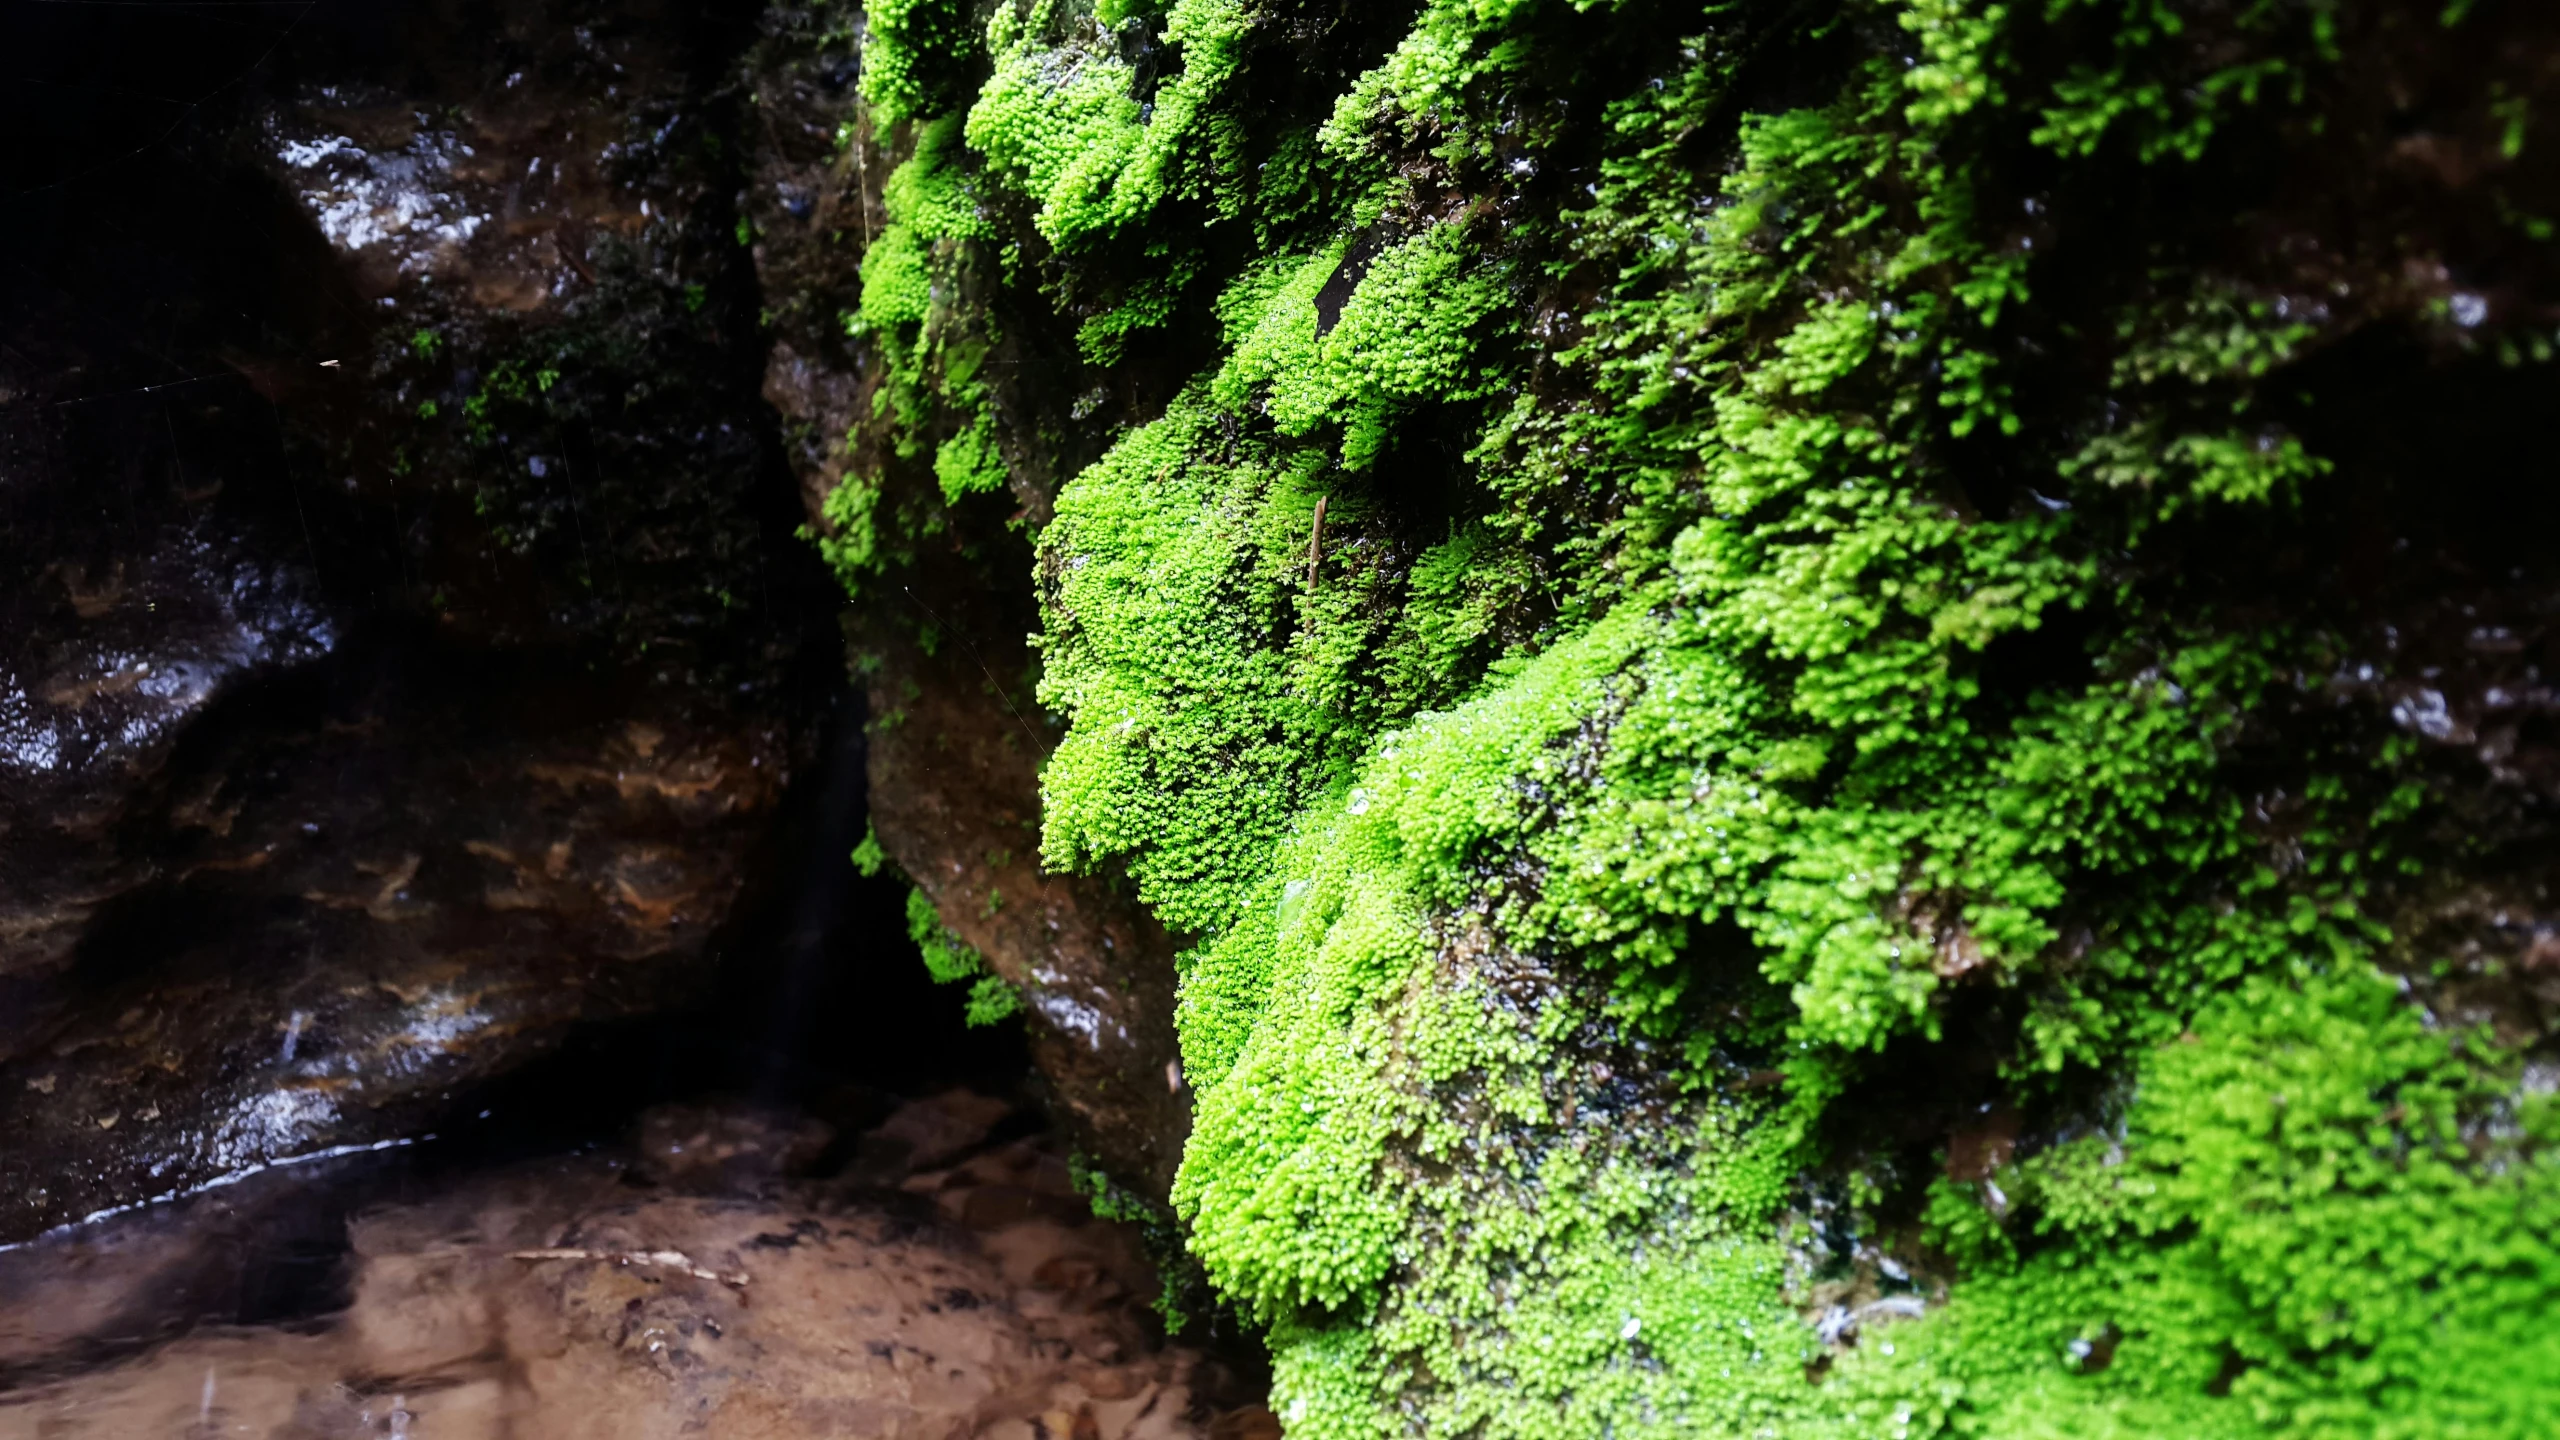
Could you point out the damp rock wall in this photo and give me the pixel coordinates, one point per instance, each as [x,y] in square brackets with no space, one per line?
[404,646]
[941,642]
[411,664]
[1841,713]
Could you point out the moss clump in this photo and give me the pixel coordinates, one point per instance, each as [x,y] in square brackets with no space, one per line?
[1741,589]
[935,405]
[920,56]
[951,961]
[2293,1234]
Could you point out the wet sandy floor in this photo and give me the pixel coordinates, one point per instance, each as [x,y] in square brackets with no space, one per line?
[947,1284]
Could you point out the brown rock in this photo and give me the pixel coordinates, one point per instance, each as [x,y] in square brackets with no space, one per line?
[405,691]
[516,1303]
[957,738]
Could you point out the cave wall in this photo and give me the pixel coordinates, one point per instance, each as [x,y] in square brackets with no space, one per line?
[414,660]
[405,647]
[1843,709]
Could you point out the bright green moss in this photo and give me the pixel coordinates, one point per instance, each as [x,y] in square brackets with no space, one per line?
[2297,1214]
[950,961]
[869,857]
[968,463]
[1060,126]
[1750,637]
[1405,335]
[1174,675]
[1058,119]
[917,57]
[897,285]
[931,351]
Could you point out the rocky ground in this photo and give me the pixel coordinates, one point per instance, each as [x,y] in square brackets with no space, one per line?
[725,1272]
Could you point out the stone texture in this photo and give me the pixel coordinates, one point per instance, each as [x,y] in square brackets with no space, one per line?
[957,737]
[964,1291]
[403,643]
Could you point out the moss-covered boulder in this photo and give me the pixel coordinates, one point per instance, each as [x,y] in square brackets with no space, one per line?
[1845,704]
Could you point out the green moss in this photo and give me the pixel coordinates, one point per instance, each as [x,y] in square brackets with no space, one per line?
[968,463]
[931,397]
[918,57]
[1058,119]
[868,857]
[2296,1215]
[1693,557]
[951,961]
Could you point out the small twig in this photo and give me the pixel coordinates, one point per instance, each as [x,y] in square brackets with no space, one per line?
[862,185]
[1315,543]
[675,1260]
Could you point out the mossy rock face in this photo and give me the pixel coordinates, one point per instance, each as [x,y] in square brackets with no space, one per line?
[1845,703]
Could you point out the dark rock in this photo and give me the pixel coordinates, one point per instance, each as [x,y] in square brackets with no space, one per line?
[550,1298]
[717,1147]
[403,644]
[957,738]
[955,799]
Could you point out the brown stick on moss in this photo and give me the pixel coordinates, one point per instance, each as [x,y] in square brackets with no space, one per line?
[1315,544]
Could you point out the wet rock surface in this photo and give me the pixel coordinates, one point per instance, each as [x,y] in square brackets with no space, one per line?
[945,1282]
[958,736]
[404,649]
[408,663]
[306,972]
[955,800]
